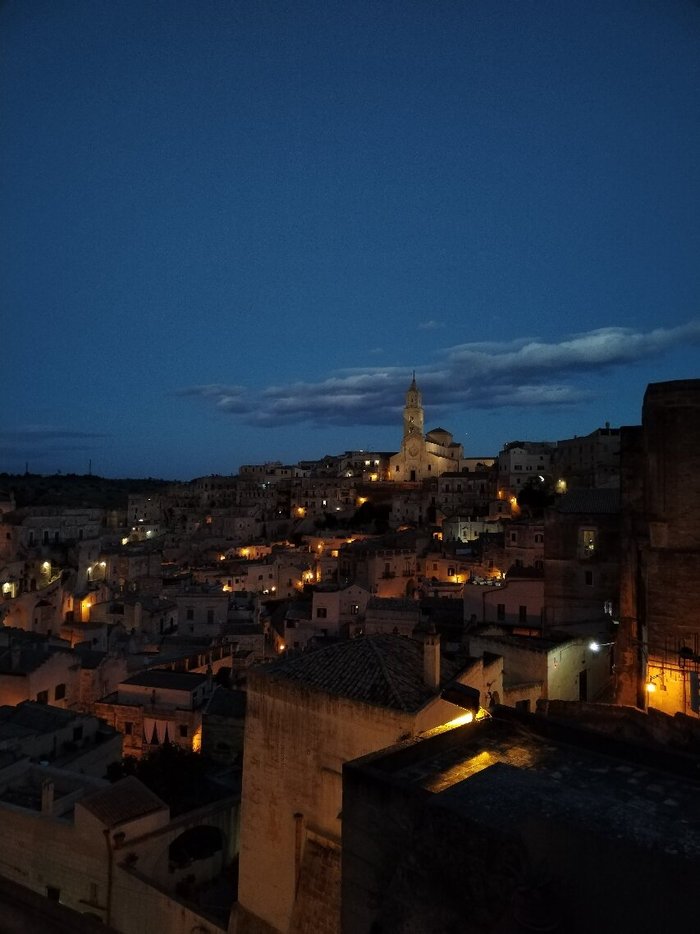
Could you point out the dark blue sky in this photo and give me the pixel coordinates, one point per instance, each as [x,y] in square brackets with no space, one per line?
[231,230]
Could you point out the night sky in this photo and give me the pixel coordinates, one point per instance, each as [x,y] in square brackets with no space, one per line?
[231,230]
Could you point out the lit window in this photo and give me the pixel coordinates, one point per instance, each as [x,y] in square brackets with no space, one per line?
[587,542]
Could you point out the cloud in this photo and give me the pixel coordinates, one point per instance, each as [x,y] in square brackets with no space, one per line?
[430,325]
[525,373]
[31,442]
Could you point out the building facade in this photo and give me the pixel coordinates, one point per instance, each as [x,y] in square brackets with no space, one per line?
[422,456]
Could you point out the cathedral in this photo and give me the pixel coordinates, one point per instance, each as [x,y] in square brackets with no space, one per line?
[422,456]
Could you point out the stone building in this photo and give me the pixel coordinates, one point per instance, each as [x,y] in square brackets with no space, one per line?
[65,738]
[521,463]
[519,823]
[422,456]
[592,460]
[306,716]
[392,615]
[37,669]
[582,556]
[516,603]
[558,666]
[155,707]
[658,648]
[386,566]
[111,851]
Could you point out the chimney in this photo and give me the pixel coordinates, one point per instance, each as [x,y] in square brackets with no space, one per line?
[431,658]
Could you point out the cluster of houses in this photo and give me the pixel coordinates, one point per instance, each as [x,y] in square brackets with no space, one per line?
[287,621]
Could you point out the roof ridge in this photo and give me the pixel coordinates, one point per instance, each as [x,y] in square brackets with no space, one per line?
[387,674]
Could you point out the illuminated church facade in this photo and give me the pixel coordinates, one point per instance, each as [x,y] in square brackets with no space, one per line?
[422,456]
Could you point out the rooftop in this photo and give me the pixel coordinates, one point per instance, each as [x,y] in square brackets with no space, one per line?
[30,718]
[382,670]
[172,680]
[498,771]
[125,801]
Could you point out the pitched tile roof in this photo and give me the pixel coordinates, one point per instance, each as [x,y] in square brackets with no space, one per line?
[382,670]
[122,802]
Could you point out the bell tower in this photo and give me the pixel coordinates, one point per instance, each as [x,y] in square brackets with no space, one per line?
[413,413]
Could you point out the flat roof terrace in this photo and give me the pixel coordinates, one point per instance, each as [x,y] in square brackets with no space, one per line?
[498,771]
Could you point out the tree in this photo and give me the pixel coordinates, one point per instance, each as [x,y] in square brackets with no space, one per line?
[176,775]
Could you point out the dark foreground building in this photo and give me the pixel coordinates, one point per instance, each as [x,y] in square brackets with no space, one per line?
[658,647]
[520,822]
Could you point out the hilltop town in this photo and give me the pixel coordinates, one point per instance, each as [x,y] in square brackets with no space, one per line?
[322,647]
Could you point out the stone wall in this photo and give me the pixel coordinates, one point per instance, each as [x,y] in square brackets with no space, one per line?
[296,741]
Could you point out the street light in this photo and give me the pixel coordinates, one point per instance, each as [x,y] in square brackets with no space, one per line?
[597,646]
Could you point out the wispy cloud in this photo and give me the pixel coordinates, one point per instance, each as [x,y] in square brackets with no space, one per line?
[40,441]
[431,325]
[528,372]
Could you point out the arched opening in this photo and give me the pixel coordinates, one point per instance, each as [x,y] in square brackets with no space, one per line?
[194,844]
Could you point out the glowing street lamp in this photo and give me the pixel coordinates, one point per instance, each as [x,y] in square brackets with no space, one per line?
[597,646]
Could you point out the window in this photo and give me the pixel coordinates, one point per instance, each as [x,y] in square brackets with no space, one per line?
[589,578]
[500,611]
[354,609]
[42,697]
[128,728]
[522,614]
[587,542]
[539,538]
[321,612]
[190,612]
[59,692]
[182,730]
[514,536]
[210,616]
